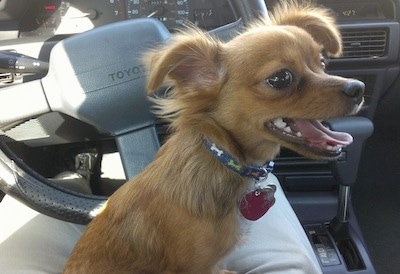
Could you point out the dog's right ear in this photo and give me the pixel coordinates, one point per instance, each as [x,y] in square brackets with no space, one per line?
[318,22]
[189,59]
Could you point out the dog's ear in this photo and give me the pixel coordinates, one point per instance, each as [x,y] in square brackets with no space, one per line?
[318,22]
[189,59]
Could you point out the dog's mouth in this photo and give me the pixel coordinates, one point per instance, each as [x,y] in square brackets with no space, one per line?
[311,135]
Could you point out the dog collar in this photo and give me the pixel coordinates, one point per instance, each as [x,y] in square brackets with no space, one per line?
[258,173]
[260,197]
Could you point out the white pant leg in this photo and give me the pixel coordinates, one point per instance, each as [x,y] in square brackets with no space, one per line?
[276,243]
[31,242]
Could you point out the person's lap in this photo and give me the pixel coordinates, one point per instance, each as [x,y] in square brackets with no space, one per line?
[31,242]
[34,243]
[276,243]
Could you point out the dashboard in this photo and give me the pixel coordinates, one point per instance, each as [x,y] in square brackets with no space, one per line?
[27,18]
[46,18]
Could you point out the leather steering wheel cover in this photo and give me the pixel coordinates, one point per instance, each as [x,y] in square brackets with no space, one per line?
[26,185]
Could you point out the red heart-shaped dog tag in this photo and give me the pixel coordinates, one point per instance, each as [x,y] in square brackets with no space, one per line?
[256,203]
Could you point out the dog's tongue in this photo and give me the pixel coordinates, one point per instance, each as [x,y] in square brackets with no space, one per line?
[317,134]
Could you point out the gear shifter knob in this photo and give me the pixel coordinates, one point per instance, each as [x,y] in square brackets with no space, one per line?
[346,166]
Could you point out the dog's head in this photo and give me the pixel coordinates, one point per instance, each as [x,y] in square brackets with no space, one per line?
[267,87]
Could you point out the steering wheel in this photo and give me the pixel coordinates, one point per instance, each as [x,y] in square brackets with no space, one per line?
[96,77]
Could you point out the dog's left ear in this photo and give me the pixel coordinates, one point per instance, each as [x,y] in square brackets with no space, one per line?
[190,59]
[318,22]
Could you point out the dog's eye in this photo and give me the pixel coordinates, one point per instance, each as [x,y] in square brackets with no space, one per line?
[280,79]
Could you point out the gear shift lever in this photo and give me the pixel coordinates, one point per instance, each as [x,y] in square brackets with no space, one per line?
[338,244]
[345,171]
[346,167]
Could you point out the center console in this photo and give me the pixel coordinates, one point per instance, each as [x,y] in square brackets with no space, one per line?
[328,217]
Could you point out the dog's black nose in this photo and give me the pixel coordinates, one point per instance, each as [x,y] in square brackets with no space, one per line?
[354,89]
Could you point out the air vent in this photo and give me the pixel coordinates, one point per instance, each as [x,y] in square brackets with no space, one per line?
[297,173]
[364,44]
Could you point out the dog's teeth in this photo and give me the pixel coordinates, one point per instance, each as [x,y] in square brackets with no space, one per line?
[280,123]
[333,148]
[298,134]
[287,129]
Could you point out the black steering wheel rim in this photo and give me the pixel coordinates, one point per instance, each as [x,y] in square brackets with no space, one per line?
[20,181]
[23,183]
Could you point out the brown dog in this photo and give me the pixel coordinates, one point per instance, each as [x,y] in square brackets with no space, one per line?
[247,97]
